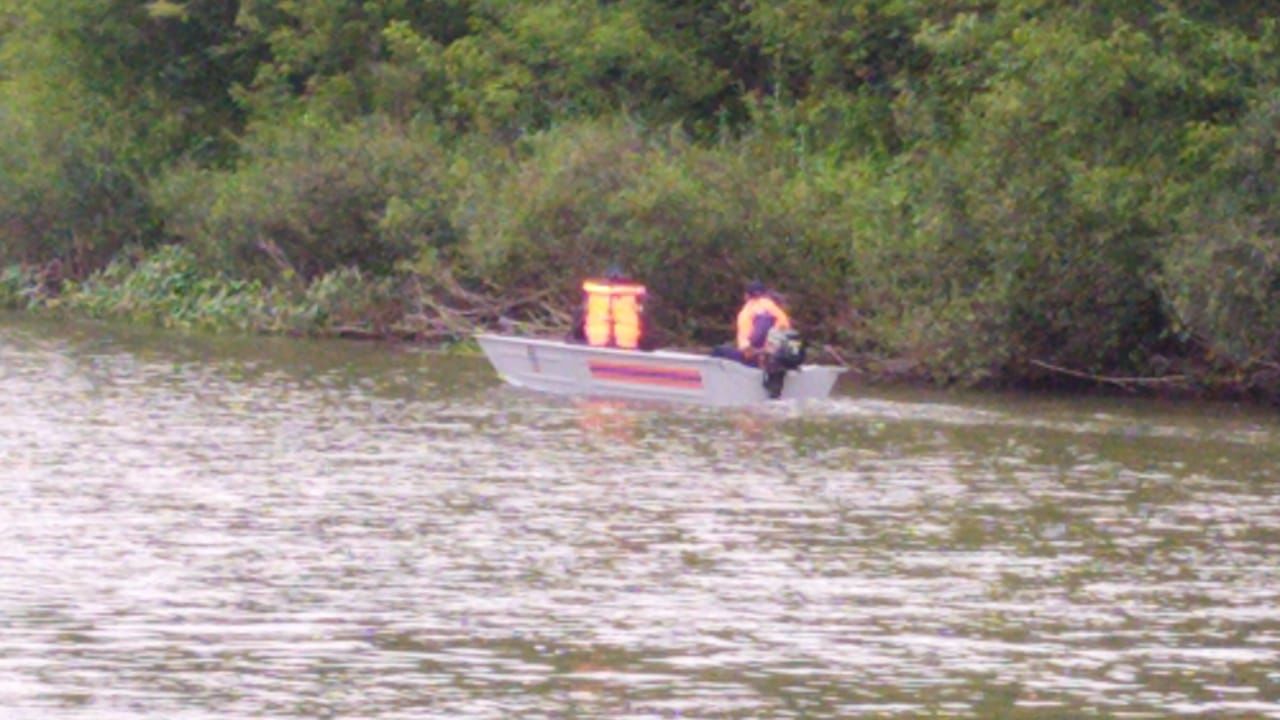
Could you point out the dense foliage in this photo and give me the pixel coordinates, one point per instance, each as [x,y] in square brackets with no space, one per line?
[972,190]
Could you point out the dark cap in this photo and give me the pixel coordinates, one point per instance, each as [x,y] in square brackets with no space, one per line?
[755,288]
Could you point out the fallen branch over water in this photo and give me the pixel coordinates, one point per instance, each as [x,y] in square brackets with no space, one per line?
[1127,383]
[838,357]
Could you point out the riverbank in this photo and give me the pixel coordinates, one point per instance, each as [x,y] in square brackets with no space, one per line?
[169,288]
[1062,197]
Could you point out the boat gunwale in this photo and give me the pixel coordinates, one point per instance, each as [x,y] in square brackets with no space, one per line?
[661,354]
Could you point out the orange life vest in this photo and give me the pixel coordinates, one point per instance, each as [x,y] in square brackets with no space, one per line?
[761,305]
[613,313]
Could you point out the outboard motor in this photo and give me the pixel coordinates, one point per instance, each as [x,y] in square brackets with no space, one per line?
[783,350]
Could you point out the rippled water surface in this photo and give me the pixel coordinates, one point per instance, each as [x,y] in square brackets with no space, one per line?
[250,528]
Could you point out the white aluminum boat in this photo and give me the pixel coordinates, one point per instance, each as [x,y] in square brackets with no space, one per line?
[573,369]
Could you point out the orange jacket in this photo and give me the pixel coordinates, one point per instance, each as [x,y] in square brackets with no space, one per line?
[761,305]
[613,313]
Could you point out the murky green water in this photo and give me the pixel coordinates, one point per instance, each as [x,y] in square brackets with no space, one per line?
[249,528]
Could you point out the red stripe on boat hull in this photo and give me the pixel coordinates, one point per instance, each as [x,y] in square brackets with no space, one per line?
[637,374]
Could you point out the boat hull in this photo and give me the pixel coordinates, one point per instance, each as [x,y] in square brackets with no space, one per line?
[573,369]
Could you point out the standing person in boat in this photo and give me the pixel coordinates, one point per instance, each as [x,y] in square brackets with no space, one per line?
[612,313]
[761,312]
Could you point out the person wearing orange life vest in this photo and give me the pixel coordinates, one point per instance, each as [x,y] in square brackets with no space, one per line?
[612,313]
[760,313]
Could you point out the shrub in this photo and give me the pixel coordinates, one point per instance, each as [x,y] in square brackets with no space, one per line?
[313,198]
[693,223]
[342,301]
[170,288]
[1222,272]
[70,195]
[18,287]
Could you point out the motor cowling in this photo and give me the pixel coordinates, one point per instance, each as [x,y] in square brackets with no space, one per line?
[784,350]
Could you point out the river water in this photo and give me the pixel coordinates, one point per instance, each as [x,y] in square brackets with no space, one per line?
[211,528]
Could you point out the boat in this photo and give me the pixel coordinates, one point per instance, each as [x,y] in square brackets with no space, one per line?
[567,368]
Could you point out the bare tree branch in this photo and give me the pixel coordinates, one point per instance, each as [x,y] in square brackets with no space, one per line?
[1128,383]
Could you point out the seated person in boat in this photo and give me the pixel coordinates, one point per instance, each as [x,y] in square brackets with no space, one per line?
[761,312]
[612,314]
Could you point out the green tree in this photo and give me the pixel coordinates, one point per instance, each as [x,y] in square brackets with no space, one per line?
[1223,270]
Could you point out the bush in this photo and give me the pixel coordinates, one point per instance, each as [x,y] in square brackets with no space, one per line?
[343,301]
[314,198]
[1222,272]
[693,223]
[70,195]
[170,288]
[18,288]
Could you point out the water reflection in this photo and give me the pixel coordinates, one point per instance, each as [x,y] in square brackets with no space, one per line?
[210,528]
